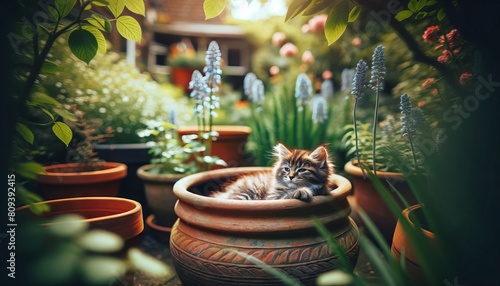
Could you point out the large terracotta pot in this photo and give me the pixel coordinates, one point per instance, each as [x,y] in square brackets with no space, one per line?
[181,76]
[160,194]
[401,244]
[118,215]
[280,233]
[368,199]
[229,146]
[62,181]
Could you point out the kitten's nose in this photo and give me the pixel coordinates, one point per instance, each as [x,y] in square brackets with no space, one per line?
[291,175]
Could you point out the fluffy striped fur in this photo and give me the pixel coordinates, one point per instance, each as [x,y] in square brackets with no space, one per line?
[297,174]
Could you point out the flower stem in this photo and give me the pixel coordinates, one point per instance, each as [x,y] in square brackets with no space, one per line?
[356,137]
[375,123]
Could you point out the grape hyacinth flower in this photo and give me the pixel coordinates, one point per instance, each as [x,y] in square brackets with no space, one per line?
[199,92]
[377,84]
[248,83]
[408,123]
[358,81]
[257,92]
[358,86]
[319,109]
[327,88]
[212,70]
[303,88]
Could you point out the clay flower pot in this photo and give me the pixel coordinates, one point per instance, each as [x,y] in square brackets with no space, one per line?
[62,181]
[210,232]
[229,146]
[160,196]
[401,244]
[118,215]
[367,198]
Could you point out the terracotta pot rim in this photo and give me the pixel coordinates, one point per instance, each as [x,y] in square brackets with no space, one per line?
[142,173]
[180,190]
[406,213]
[150,221]
[114,169]
[352,168]
[119,146]
[234,130]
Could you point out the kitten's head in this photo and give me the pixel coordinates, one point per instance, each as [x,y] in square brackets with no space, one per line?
[301,168]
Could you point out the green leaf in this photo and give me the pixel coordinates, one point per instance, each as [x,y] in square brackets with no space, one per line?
[129,28]
[136,6]
[336,23]
[29,170]
[403,15]
[64,7]
[317,6]
[25,132]
[42,99]
[100,22]
[49,114]
[54,12]
[213,8]
[101,41]
[421,4]
[83,44]
[65,114]
[50,67]
[116,7]
[441,14]
[354,14]
[412,5]
[421,15]
[63,132]
[296,7]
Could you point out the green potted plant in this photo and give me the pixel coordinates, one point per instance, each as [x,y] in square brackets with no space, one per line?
[183,62]
[173,157]
[85,175]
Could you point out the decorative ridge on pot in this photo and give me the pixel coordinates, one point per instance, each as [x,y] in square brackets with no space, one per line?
[230,131]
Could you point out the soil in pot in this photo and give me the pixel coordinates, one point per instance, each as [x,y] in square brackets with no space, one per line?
[211,238]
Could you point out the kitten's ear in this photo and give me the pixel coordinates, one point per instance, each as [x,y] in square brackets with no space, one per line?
[320,154]
[281,151]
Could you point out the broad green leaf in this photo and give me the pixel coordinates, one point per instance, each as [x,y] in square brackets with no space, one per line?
[296,7]
[421,15]
[64,6]
[29,170]
[42,99]
[337,22]
[116,7]
[65,114]
[54,12]
[63,132]
[421,4]
[317,6]
[213,8]
[100,2]
[101,41]
[49,114]
[441,14]
[403,15]
[25,132]
[412,5]
[83,44]
[354,14]
[50,67]
[100,22]
[136,6]
[129,28]
[430,2]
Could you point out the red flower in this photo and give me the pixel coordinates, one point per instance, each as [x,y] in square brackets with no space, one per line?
[435,92]
[430,34]
[428,82]
[317,23]
[288,50]
[444,57]
[465,77]
[421,103]
[278,39]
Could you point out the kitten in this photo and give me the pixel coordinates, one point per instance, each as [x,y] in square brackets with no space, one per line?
[297,174]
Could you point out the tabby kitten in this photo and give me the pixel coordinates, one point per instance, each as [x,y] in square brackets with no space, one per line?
[297,174]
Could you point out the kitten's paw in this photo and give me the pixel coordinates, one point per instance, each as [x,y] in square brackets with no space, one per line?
[303,194]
